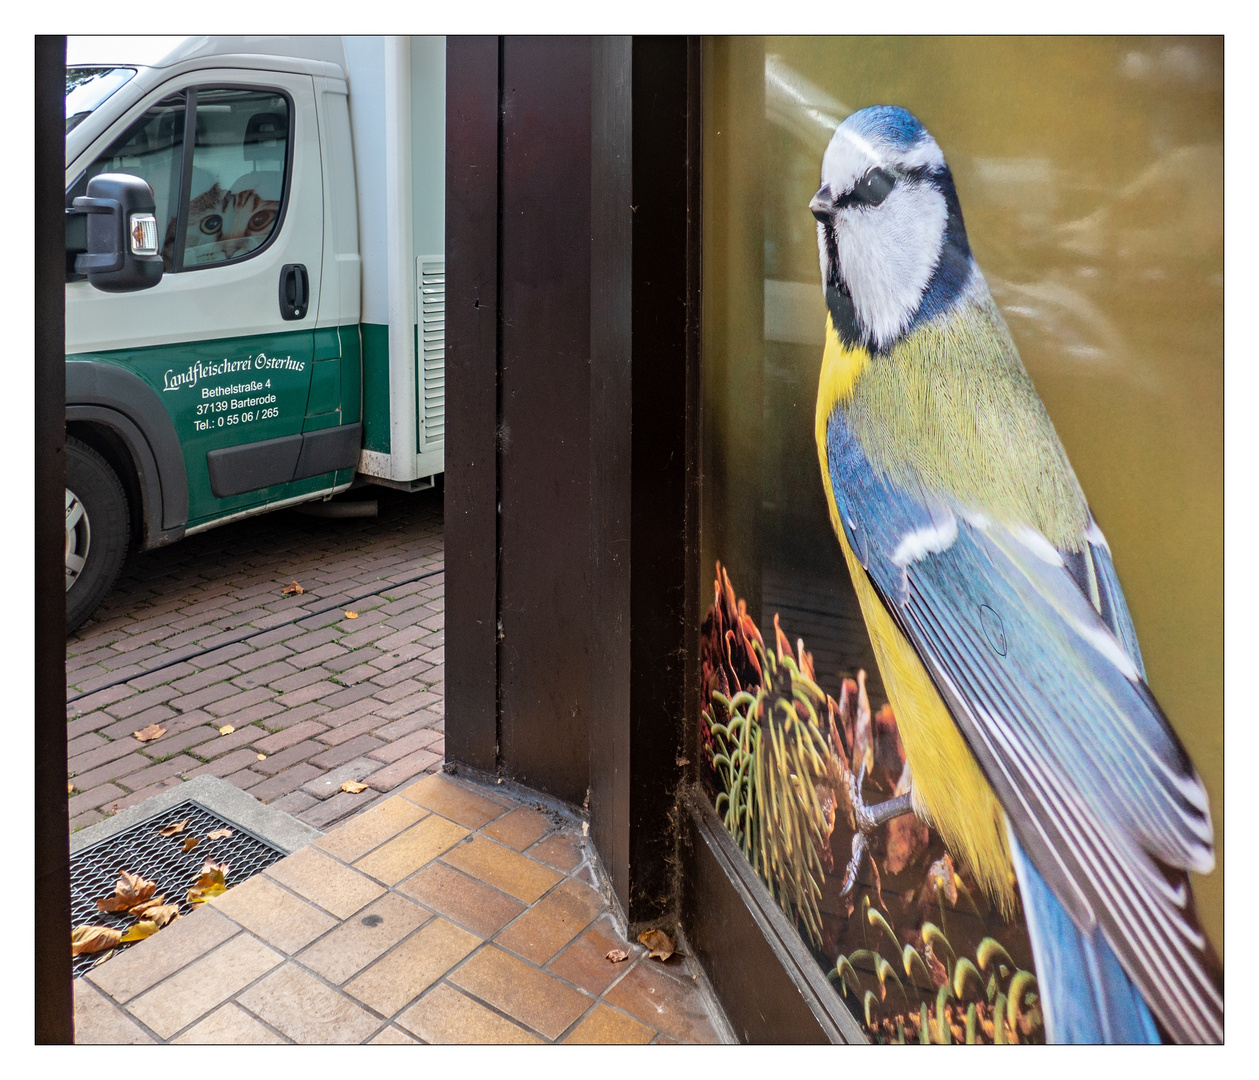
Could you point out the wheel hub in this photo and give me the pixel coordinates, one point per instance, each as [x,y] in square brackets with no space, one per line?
[78,538]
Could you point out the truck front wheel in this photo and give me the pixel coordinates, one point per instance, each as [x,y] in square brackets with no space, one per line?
[98,530]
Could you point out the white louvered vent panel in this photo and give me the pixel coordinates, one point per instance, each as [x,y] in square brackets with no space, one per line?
[431,306]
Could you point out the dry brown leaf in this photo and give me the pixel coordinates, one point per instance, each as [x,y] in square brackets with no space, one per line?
[129,890]
[163,914]
[173,828]
[351,614]
[219,834]
[292,589]
[659,944]
[226,729]
[148,734]
[191,842]
[144,928]
[90,939]
[353,787]
[141,910]
[617,955]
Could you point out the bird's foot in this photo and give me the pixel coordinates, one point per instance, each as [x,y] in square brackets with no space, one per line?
[867,819]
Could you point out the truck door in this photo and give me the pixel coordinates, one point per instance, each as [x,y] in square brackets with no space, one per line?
[226,340]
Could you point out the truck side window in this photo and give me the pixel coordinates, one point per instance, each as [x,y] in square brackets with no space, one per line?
[238,172]
[152,149]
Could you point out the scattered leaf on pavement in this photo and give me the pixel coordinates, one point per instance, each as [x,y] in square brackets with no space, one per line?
[144,928]
[219,834]
[69,787]
[173,828]
[659,944]
[262,757]
[191,842]
[617,955]
[353,787]
[351,614]
[226,729]
[129,890]
[211,883]
[103,957]
[292,589]
[90,939]
[148,734]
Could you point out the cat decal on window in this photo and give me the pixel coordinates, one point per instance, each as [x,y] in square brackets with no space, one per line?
[223,225]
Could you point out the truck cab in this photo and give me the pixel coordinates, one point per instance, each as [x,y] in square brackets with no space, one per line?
[273,363]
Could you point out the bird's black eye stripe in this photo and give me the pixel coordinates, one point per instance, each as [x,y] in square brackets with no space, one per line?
[869,190]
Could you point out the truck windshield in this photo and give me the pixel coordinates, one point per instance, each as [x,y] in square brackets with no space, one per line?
[87,87]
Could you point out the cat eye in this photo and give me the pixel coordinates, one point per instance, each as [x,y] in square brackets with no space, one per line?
[212,225]
[873,188]
[261,220]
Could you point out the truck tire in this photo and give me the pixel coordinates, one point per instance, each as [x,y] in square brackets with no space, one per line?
[98,531]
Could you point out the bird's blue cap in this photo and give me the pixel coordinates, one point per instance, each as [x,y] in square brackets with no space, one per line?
[887,124]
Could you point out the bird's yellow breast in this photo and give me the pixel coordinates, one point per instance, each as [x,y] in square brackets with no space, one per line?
[948,785]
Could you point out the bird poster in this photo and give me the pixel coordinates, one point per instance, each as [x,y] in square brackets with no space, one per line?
[961,698]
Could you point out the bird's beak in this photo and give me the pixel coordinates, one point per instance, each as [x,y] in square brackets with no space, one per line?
[820,205]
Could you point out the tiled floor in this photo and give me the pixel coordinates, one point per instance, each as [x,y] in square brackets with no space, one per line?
[447,913]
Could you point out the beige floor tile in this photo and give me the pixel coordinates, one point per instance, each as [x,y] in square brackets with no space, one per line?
[586,962]
[462,899]
[409,851]
[204,985]
[562,850]
[357,837]
[98,1021]
[392,1036]
[446,1016]
[503,868]
[134,970]
[519,829]
[326,882]
[230,1025]
[296,1003]
[604,1025]
[553,921]
[277,917]
[535,998]
[403,974]
[670,1003]
[360,940]
[446,797]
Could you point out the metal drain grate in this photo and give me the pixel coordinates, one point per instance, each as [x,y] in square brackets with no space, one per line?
[140,850]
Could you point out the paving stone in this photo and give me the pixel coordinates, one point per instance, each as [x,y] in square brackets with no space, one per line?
[563,850]
[289,736]
[283,782]
[603,1026]
[341,806]
[446,1016]
[412,849]
[371,829]
[497,865]
[538,1000]
[350,947]
[323,880]
[272,914]
[653,994]
[446,797]
[518,829]
[328,784]
[306,1010]
[408,970]
[552,922]
[97,1020]
[294,755]
[294,802]
[229,1025]
[342,752]
[462,899]
[585,961]
[201,987]
[392,1036]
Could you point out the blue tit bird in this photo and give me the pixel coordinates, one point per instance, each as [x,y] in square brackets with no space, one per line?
[1036,748]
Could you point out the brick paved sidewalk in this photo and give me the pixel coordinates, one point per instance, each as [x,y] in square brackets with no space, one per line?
[314,702]
[447,914]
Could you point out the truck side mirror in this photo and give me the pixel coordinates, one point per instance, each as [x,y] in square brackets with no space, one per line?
[123,249]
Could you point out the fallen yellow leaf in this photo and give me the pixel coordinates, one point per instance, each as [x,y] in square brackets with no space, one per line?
[70,787]
[226,729]
[659,944]
[144,928]
[211,883]
[292,589]
[129,890]
[617,955]
[262,757]
[90,939]
[148,734]
[219,834]
[351,614]
[191,842]
[353,787]
[173,828]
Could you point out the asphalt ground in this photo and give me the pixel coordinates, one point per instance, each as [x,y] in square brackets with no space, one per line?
[342,682]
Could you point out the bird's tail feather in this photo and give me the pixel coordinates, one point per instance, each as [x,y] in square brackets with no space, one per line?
[1086,997]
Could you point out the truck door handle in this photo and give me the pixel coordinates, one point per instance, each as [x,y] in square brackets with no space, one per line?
[294,291]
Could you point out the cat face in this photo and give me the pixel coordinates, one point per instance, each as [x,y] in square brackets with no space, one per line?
[226,225]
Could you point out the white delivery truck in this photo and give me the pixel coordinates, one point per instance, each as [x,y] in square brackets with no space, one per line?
[272,324]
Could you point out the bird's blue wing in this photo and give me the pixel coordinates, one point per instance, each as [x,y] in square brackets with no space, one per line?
[1096,786]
